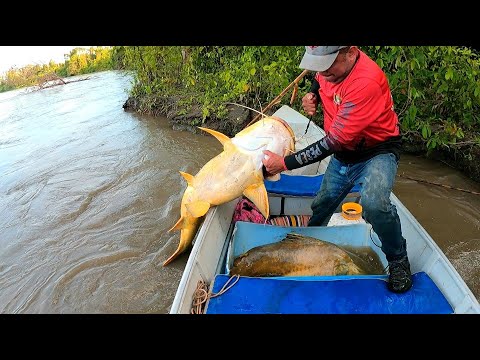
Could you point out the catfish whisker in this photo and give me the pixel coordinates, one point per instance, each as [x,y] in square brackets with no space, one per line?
[249,108]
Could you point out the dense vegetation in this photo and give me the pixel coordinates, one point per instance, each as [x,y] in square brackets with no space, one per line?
[436,89]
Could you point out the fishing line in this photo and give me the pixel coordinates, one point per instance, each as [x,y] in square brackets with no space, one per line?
[249,108]
[438,184]
[306,130]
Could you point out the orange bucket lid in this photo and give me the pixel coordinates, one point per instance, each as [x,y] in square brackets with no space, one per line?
[352,211]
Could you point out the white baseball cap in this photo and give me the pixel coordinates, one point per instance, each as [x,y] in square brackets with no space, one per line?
[319,58]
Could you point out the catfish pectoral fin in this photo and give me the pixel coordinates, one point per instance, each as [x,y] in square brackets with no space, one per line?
[257,193]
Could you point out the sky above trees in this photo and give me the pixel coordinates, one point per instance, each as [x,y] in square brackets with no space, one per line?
[20,56]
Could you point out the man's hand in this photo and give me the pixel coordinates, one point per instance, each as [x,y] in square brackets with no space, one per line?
[273,163]
[309,103]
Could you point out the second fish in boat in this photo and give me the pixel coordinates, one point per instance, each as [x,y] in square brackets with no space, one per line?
[296,255]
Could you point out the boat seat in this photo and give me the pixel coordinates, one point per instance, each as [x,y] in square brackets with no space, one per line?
[327,295]
[298,185]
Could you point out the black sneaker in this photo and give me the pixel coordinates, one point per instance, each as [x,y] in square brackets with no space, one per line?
[400,279]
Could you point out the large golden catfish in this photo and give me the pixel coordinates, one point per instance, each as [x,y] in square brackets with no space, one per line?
[235,171]
[295,255]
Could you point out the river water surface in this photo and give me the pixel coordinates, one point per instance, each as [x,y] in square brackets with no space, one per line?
[89,191]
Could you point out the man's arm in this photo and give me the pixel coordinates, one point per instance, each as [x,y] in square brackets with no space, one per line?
[311,154]
[315,152]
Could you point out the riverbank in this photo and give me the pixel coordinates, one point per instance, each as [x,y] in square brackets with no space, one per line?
[465,158]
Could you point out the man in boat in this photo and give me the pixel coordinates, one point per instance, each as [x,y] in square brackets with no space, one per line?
[363,134]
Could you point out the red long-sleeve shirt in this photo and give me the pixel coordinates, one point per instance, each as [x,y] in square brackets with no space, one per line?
[359,117]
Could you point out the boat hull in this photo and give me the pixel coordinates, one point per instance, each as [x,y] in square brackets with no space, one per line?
[210,255]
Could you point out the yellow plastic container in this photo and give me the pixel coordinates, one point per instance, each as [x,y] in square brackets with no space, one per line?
[352,211]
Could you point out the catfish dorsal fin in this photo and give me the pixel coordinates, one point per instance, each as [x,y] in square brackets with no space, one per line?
[257,193]
[220,137]
[187,177]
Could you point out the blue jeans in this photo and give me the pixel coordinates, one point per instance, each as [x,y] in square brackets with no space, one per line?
[377,176]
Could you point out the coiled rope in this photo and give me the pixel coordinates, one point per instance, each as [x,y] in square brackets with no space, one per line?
[200,296]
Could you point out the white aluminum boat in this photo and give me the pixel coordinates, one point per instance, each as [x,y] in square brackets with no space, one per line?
[438,287]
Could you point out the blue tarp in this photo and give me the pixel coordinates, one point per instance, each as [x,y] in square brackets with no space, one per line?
[298,185]
[345,294]
[353,295]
